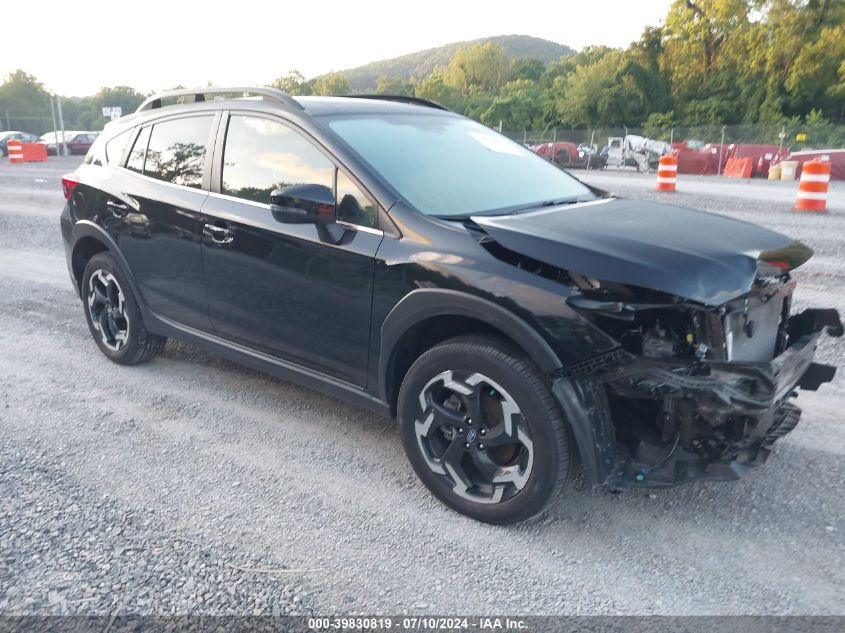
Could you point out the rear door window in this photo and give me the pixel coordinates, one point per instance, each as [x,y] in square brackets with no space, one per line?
[139,151]
[116,146]
[176,151]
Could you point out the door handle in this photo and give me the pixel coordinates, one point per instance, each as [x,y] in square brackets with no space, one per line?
[217,234]
[118,209]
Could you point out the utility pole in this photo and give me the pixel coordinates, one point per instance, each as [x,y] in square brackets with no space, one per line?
[55,129]
[61,125]
[721,148]
[590,153]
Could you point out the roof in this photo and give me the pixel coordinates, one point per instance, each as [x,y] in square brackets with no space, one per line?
[268,99]
[321,106]
[186,97]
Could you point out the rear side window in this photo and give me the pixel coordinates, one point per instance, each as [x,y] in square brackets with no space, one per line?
[262,155]
[116,146]
[176,150]
[139,150]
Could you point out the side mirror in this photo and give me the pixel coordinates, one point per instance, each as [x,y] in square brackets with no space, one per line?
[304,204]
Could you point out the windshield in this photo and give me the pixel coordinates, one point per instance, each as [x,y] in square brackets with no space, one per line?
[450,166]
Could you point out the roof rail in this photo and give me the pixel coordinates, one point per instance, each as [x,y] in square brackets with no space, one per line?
[401,99]
[198,94]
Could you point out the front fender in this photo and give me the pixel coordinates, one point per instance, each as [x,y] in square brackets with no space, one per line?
[424,303]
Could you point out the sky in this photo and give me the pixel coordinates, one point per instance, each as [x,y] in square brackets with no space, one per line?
[157,44]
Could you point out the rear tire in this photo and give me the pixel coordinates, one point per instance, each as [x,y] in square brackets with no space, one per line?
[482,430]
[113,316]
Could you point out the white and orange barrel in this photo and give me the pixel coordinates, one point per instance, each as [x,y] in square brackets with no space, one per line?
[812,190]
[667,172]
[15,150]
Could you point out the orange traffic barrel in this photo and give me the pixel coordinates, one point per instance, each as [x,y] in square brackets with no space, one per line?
[15,151]
[667,171]
[34,152]
[812,190]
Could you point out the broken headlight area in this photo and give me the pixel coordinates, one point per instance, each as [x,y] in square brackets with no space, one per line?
[702,392]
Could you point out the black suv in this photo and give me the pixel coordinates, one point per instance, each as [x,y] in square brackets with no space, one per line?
[391,253]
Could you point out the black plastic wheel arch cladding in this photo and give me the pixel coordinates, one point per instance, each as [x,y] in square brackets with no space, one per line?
[86,229]
[585,408]
[425,303]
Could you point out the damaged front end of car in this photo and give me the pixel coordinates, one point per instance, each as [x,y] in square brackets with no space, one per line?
[709,352]
[695,392]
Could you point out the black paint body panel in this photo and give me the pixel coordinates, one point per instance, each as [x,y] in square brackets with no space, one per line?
[692,254]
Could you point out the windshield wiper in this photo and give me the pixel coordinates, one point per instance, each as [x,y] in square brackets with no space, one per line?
[544,203]
[514,210]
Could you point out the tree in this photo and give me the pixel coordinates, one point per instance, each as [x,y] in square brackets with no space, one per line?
[695,33]
[24,103]
[837,90]
[519,106]
[332,83]
[393,86]
[813,77]
[529,68]
[434,88]
[614,91]
[86,113]
[294,83]
[479,68]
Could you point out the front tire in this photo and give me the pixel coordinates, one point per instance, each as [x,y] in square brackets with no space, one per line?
[113,316]
[482,430]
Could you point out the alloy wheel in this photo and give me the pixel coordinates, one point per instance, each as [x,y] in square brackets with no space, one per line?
[472,432]
[107,309]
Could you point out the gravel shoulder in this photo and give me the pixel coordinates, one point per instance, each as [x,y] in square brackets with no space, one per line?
[143,490]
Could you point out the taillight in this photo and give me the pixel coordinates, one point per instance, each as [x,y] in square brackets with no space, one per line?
[69,182]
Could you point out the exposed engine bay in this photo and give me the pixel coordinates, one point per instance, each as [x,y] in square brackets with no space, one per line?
[702,392]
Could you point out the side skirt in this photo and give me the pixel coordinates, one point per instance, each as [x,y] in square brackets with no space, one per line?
[266,363]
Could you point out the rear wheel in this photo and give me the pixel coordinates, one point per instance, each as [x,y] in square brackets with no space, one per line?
[482,430]
[113,316]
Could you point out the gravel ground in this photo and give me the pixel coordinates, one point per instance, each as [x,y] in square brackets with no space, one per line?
[152,489]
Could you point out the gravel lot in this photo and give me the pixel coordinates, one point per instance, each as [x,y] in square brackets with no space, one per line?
[192,485]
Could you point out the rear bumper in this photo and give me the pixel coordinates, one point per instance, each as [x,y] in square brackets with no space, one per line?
[67,240]
[663,423]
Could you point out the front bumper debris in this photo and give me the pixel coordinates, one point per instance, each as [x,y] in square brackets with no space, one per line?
[673,422]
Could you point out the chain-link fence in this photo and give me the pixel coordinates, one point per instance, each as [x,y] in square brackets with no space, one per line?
[792,137]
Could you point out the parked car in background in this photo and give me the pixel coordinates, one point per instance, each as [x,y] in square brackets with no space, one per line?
[634,151]
[571,156]
[14,135]
[77,142]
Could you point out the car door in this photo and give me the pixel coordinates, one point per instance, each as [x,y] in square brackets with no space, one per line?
[74,144]
[282,288]
[153,212]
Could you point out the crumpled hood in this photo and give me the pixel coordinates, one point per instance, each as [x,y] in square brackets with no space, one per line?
[692,254]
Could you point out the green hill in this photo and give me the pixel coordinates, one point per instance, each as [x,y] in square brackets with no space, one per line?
[421,63]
